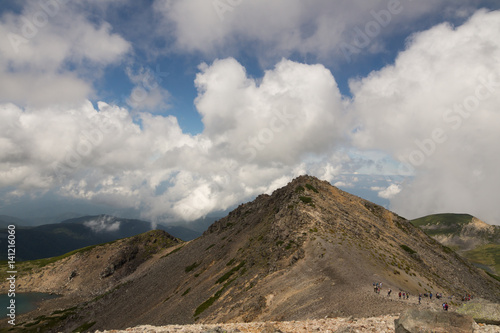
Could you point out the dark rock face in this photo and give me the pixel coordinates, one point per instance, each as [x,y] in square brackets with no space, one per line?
[423,321]
[121,258]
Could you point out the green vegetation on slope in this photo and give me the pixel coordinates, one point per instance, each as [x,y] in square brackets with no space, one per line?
[44,323]
[407,249]
[487,255]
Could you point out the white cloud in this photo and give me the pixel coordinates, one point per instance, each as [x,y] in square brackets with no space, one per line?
[283,27]
[377,188]
[295,110]
[343,184]
[103,224]
[52,52]
[436,109]
[148,94]
[390,192]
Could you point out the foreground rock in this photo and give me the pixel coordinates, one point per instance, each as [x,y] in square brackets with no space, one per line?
[416,320]
[382,324]
[488,313]
[374,324]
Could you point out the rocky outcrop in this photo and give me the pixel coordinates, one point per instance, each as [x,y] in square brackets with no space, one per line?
[427,321]
[91,271]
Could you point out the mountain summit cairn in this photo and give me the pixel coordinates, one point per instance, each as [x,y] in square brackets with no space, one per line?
[307,251]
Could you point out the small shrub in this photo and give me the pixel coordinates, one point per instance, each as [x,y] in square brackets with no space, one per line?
[312,188]
[496,277]
[407,249]
[186,292]
[211,246]
[447,249]
[231,272]
[299,189]
[306,199]
[205,305]
[191,267]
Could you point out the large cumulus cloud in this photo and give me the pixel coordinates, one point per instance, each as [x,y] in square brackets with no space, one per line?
[258,134]
[437,110]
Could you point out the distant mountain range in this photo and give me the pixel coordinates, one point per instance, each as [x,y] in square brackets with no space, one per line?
[8,220]
[52,240]
[472,238]
[307,251]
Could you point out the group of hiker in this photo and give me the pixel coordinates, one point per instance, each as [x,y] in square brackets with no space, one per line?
[377,287]
[405,294]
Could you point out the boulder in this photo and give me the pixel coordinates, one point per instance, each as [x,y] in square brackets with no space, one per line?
[486,313]
[427,321]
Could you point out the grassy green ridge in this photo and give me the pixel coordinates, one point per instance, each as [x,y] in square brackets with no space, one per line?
[448,219]
[485,256]
[448,223]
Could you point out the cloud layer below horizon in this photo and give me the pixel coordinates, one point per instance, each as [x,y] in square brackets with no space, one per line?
[436,110]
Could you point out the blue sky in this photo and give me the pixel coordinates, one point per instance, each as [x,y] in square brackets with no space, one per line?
[170,111]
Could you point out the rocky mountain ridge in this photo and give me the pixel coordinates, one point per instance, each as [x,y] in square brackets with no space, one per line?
[306,251]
